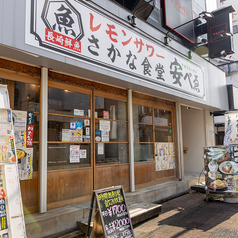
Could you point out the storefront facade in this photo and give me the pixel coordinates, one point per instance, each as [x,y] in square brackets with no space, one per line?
[106,98]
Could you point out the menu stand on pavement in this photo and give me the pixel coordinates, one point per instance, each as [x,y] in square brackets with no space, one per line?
[221,173]
[112,218]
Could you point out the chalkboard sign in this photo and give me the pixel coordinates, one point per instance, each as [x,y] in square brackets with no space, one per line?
[113,212]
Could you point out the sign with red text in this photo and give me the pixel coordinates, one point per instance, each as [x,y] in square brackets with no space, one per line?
[77,29]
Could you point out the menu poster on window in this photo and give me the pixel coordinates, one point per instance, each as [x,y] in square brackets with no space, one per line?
[165,156]
[20,122]
[24,131]
[7,142]
[25,165]
[74,154]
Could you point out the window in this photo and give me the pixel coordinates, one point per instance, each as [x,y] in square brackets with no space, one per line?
[69,129]
[143,133]
[153,136]
[111,131]
[25,97]
[163,125]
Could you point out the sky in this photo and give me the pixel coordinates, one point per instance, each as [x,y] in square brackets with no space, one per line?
[211,5]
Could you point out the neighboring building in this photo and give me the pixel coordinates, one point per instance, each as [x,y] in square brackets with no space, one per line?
[113,104]
[229,64]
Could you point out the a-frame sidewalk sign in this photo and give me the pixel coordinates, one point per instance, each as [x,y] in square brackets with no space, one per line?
[111,218]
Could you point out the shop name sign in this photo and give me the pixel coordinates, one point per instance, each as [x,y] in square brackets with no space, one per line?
[74,28]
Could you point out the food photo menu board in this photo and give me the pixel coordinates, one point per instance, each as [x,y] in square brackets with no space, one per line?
[11,212]
[221,169]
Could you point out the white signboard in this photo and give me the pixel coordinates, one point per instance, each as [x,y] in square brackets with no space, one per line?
[79,30]
[16,217]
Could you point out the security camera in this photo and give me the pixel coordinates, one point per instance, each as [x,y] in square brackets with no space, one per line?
[223,53]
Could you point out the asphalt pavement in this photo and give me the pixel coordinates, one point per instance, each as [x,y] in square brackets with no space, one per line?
[190,216]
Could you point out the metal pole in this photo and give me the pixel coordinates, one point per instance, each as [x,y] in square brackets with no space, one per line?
[131,142]
[43,139]
[179,140]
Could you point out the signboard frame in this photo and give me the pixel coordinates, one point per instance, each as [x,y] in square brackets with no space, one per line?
[183,12]
[95,196]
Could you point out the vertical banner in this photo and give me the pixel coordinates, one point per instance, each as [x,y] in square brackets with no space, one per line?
[231,128]
[30,129]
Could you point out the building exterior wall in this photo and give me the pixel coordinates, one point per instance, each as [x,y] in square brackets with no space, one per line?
[193,138]
[93,81]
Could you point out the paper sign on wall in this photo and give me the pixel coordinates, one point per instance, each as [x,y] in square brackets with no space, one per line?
[78,112]
[74,154]
[100,148]
[83,154]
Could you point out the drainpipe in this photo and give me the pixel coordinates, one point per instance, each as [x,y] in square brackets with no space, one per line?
[43,139]
[179,141]
[131,142]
